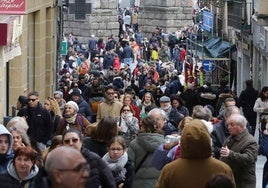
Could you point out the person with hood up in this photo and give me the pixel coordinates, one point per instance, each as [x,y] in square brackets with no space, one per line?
[141,151]
[6,143]
[195,165]
[21,170]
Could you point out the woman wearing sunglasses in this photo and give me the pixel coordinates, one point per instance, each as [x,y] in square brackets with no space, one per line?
[128,124]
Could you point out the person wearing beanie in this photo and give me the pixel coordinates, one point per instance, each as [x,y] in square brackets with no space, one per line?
[71,119]
[195,161]
[83,106]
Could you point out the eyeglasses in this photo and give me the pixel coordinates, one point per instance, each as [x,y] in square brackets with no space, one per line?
[32,100]
[109,93]
[116,149]
[78,169]
[73,140]
[126,110]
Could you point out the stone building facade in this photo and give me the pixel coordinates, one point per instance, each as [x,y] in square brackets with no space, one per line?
[99,17]
[28,60]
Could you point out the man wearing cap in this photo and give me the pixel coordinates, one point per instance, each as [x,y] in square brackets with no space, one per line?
[173,116]
[84,108]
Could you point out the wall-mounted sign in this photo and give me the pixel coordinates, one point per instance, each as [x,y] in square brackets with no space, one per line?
[12,7]
[208,66]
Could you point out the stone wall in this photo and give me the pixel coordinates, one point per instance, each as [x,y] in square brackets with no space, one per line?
[170,15]
[102,21]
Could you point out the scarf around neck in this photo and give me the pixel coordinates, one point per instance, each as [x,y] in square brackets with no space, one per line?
[71,119]
[115,164]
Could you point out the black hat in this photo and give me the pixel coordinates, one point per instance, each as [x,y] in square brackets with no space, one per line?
[76,92]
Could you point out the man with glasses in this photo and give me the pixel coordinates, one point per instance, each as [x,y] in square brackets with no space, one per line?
[69,171]
[100,174]
[39,121]
[109,107]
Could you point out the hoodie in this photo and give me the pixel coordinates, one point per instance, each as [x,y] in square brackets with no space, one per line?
[8,156]
[11,179]
[195,161]
[195,141]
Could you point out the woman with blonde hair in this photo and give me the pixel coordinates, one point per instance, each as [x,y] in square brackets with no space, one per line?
[54,110]
[147,100]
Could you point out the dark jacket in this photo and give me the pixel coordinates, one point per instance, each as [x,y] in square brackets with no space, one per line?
[219,135]
[84,109]
[169,129]
[183,110]
[40,124]
[242,159]
[190,98]
[247,100]
[174,87]
[10,179]
[127,52]
[100,174]
[95,146]
[108,60]
[174,117]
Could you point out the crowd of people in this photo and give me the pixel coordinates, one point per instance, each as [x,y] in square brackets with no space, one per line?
[121,117]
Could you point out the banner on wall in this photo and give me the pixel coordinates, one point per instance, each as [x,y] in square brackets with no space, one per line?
[15,7]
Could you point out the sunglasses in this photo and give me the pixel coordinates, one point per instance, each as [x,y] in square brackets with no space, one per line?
[73,140]
[32,100]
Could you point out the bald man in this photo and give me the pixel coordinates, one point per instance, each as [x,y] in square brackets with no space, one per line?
[67,168]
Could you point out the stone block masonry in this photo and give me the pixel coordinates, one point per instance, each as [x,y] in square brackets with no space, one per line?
[102,20]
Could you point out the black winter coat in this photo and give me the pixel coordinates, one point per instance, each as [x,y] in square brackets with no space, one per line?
[100,174]
[40,124]
[219,134]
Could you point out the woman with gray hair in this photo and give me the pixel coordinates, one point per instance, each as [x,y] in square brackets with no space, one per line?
[19,136]
[18,122]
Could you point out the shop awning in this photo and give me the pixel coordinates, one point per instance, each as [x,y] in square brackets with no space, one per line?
[218,48]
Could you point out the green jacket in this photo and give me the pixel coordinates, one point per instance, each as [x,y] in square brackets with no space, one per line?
[140,151]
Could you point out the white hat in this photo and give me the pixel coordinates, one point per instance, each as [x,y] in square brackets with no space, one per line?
[73,105]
